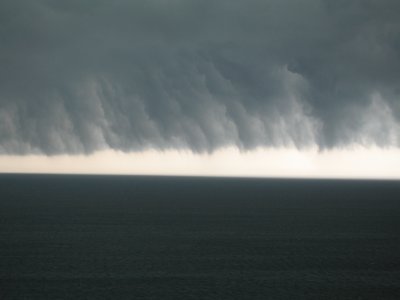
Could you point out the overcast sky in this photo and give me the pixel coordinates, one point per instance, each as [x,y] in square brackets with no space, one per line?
[79,76]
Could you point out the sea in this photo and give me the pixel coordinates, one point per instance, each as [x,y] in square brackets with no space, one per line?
[147,237]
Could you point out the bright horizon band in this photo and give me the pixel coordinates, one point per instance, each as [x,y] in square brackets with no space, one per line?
[356,162]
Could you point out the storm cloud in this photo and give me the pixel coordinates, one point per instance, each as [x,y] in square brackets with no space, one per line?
[80,76]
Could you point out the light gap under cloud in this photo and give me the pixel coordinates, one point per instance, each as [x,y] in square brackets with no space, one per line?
[357,162]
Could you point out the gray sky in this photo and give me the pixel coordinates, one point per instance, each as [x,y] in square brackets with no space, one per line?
[81,76]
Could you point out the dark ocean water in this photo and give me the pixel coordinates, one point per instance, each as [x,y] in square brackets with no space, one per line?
[103,237]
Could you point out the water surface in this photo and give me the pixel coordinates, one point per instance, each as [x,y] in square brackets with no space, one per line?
[105,237]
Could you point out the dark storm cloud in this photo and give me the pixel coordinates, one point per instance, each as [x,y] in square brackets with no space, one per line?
[79,76]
